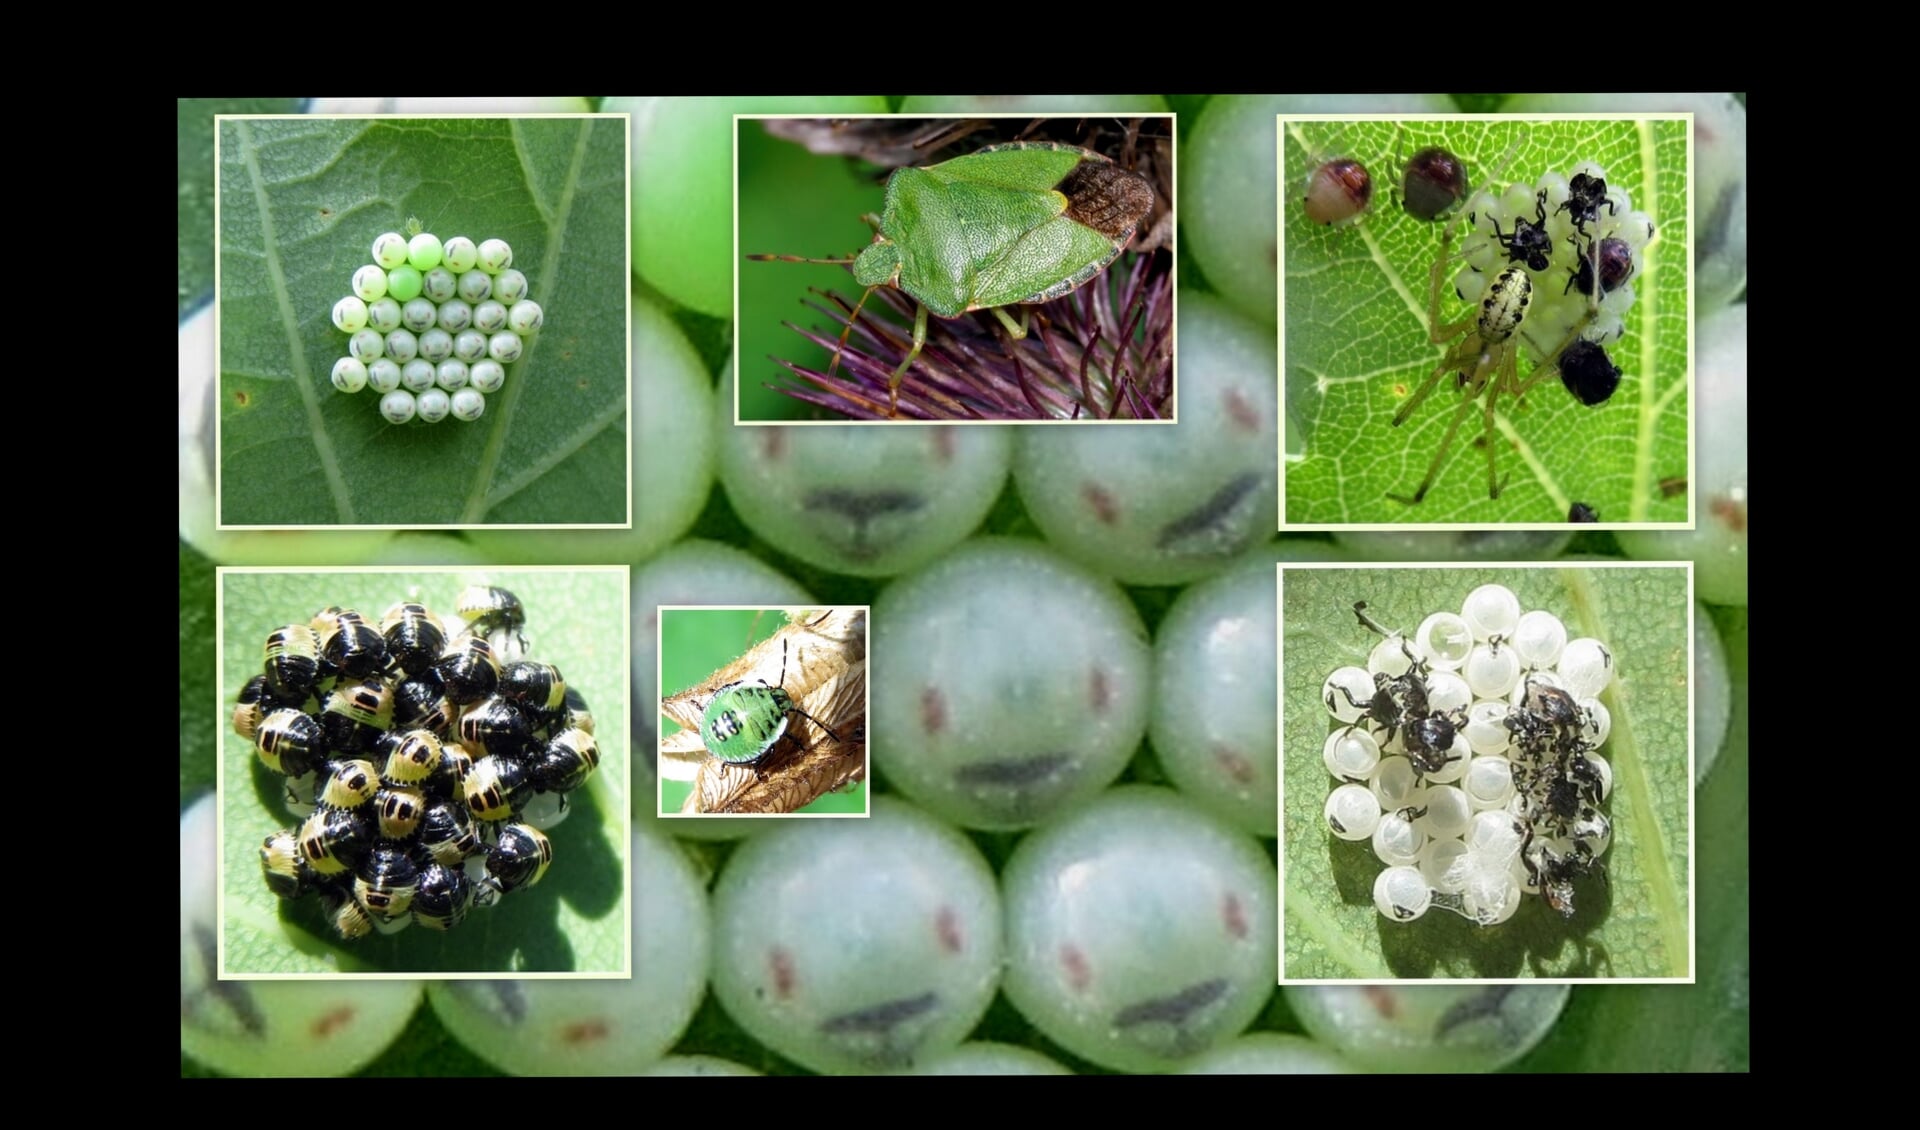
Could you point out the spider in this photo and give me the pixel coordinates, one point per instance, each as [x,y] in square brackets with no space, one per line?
[1486,360]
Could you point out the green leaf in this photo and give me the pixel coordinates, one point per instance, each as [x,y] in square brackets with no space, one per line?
[791,202]
[575,920]
[1636,924]
[1356,341]
[301,201]
[196,186]
[1705,1026]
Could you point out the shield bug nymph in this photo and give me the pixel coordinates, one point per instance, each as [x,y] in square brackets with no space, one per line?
[1337,192]
[744,721]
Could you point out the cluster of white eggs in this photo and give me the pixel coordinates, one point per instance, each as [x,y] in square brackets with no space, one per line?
[432,326]
[1467,829]
[1612,243]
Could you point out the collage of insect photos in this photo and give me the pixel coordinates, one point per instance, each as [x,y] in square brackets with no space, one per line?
[1293,547]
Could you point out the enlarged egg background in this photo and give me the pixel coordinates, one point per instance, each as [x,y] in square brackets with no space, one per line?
[1704,1026]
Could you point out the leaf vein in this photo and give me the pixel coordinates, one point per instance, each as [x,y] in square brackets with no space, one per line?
[561,452]
[477,504]
[297,359]
[1649,304]
[1630,769]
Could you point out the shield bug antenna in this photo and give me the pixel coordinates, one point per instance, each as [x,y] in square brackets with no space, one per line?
[852,318]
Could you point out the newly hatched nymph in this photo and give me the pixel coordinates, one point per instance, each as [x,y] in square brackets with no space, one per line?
[1337,191]
[495,615]
[1433,183]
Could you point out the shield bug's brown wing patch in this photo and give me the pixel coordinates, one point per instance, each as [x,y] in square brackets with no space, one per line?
[1107,198]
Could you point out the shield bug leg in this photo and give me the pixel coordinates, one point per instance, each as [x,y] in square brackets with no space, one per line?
[919,342]
[841,348]
[1017,331]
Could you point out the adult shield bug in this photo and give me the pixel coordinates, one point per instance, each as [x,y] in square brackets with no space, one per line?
[1014,224]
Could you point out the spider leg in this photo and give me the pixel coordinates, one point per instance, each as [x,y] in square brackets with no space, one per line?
[1426,389]
[1438,332]
[1509,377]
[1394,191]
[1440,457]
[1520,388]
[1573,334]
[1495,174]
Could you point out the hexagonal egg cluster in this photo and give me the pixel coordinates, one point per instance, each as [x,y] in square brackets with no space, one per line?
[1571,231]
[431,767]
[1467,754]
[432,326]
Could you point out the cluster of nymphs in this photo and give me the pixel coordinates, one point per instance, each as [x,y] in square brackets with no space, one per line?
[432,327]
[1582,241]
[1467,754]
[431,767]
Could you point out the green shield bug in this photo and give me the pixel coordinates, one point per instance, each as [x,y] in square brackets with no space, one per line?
[745,720]
[1014,224]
